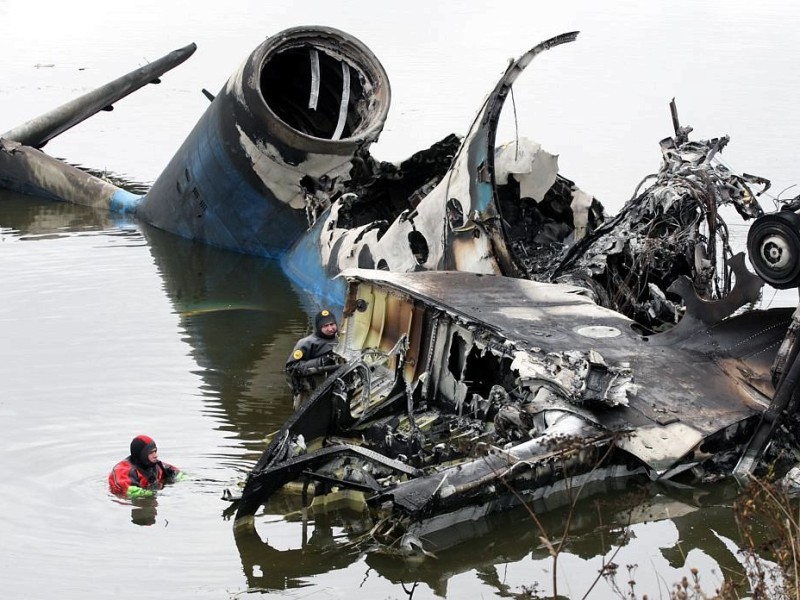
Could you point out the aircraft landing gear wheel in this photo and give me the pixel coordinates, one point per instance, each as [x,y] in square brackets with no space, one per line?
[773,244]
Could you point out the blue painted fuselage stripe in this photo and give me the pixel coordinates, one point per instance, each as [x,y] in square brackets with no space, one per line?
[221,202]
[303,266]
[124,202]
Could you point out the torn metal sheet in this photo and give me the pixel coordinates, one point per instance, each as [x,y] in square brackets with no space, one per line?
[455,219]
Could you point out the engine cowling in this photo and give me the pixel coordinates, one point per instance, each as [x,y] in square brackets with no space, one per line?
[285,126]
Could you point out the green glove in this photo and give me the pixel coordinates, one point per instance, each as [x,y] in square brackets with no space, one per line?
[135,491]
[181,476]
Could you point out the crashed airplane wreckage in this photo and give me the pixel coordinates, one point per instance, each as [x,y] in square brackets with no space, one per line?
[503,334]
[462,394]
[279,166]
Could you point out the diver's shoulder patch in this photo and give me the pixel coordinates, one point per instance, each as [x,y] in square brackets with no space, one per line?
[297,354]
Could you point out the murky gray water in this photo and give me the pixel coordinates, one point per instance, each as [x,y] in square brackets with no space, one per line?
[109,329]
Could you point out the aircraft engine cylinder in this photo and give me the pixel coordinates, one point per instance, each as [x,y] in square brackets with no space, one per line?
[274,144]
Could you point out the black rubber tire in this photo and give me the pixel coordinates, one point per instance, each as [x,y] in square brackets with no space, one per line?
[773,244]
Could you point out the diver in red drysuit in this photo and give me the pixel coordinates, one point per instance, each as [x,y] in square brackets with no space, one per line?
[141,473]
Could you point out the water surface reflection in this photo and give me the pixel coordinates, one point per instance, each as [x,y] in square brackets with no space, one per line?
[651,533]
[241,318]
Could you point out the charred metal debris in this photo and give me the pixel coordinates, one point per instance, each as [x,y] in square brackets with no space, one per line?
[671,227]
[506,341]
[462,394]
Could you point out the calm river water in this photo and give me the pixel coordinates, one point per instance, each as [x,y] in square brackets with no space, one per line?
[109,328]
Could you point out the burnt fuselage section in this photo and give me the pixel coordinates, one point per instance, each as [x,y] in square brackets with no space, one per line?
[462,394]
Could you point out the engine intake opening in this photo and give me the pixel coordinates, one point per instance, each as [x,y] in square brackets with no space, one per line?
[314,92]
